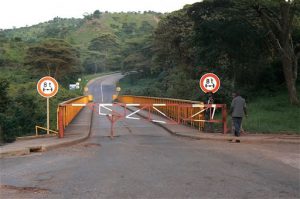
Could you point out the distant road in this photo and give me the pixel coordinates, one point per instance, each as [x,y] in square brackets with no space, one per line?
[104,87]
[144,161]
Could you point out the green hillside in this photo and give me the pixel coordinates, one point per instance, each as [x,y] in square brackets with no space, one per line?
[66,49]
[169,52]
[126,29]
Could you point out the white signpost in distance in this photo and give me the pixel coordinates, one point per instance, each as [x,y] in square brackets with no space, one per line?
[47,87]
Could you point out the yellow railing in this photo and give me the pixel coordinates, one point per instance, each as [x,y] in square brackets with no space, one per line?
[68,110]
[171,111]
[43,128]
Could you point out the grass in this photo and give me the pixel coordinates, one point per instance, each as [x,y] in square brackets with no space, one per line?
[269,113]
[272,115]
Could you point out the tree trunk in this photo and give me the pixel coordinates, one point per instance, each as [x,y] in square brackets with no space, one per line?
[290,80]
[280,30]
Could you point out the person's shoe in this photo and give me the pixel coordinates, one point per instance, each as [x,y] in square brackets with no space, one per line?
[238,141]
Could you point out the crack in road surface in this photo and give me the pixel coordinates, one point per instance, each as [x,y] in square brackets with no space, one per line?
[24,189]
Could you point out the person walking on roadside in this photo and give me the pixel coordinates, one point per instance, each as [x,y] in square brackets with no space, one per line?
[238,111]
[232,125]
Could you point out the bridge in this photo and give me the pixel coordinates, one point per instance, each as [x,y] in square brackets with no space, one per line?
[126,149]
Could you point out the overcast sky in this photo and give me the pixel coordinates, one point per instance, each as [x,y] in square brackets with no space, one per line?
[19,13]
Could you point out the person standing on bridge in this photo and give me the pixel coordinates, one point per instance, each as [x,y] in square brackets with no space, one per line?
[238,111]
[208,114]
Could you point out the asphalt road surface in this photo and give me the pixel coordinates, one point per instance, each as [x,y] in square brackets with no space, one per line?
[144,161]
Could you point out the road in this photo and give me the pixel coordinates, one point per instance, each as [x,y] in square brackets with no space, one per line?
[144,161]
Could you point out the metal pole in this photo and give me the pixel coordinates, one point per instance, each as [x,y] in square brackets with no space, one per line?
[224,118]
[60,121]
[48,119]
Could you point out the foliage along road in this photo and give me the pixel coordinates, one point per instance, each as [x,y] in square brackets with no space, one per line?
[144,161]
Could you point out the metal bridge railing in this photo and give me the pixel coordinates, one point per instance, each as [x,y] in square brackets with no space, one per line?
[183,112]
[66,113]
[173,112]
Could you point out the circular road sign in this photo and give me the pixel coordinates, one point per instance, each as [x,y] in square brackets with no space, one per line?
[47,86]
[209,82]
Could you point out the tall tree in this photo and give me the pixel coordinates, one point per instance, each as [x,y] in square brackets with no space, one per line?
[104,42]
[4,99]
[173,44]
[278,17]
[105,45]
[228,44]
[53,57]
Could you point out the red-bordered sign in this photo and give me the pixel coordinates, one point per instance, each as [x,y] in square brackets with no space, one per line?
[209,83]
[47,86]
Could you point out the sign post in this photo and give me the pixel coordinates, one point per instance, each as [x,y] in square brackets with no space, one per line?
[48,116]
[47,87]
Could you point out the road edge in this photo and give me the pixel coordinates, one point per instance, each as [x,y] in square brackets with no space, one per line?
[227,137]
[44,147]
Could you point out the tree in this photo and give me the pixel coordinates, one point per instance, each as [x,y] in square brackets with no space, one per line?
[173,41]
[137,55]
[228,44]
[278,17]
[94,63]
[146,27]
[7,133]
[4,99]
[53,57]
[97,14]
[104,42]
[55,31]
[105,45]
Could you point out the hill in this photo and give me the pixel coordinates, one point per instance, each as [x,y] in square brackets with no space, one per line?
[97,43]
[118,32]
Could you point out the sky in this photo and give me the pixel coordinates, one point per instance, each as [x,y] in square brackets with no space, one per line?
[19,13]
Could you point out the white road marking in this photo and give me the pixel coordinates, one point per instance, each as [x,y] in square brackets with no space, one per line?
[158,121]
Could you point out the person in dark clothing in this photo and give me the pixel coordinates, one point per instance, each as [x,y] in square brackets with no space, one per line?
[208,113]
[232,125]
[238,111]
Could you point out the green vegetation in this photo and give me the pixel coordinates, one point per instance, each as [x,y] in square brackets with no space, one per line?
[272,114]
[66,49]
[269,112]
[103,40]
[252,45]
[22,108]
[241,41]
